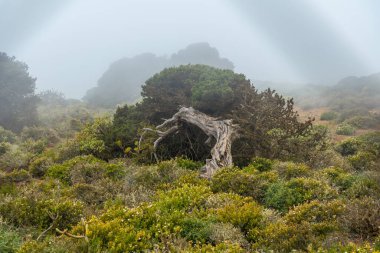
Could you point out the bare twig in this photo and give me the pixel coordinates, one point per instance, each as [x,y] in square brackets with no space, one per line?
[52,225]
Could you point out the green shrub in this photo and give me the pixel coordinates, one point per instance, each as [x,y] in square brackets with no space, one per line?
[188,164]
[338,177]
[262,164]
[154,177]
[288,170]
[349,146]
[40,165]
[330,115]
[4,147]
[304,226]
[233,180]
[196,230]
[238,181]
[24,211]
[15,176]
[248,217]
[283,195]
[363,185]
[10,240]
[7,135]
[85,169]
[362,160]
[345,129]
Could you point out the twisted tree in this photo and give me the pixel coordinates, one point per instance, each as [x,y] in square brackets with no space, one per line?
[218,108]
[223,132]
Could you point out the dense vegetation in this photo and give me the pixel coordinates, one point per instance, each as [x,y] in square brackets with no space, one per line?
[77,181]
[121,83]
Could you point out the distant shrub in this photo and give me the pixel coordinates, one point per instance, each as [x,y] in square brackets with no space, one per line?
[4,147]
[47,135]
[7,135]
[364,122]
[330,115]
[345,129]
[283,195]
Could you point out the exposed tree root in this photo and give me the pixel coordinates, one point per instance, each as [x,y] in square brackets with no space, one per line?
[222,131]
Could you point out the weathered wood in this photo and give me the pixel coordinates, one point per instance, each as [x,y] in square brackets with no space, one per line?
[222,131]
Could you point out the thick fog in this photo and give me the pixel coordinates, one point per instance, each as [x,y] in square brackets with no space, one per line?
[69,44]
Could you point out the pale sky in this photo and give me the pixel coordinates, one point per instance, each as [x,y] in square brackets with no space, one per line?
[68,44]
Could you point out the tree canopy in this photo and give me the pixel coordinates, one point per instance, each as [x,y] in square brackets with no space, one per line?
[17,99]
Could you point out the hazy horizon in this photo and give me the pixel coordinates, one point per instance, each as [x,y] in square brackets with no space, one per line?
[69,44]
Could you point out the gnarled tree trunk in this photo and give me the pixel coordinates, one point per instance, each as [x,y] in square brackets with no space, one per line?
[223,131]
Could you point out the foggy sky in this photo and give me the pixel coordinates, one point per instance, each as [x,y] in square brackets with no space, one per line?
[68,44]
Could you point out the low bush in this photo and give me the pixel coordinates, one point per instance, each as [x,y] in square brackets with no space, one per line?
[364,122]
[10,240]
[248,217]
[23,211]
[285,194]
[362,218]
[345,129]
[251,183]
[288,170]
[303,228]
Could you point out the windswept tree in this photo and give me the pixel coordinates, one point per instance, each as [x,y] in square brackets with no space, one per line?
[17,99]
[267,124]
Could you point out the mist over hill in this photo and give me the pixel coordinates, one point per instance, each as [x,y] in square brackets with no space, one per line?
[122,81]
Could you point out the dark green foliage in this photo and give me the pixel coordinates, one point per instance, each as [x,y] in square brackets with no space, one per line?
[17,100]
[188,164]
[284,195]
[362,151]
[196,230]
